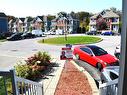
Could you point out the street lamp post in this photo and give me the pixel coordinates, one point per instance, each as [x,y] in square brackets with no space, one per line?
[65,32]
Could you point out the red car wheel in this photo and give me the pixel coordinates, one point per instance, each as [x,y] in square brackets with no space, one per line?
[99,66]
[77,56]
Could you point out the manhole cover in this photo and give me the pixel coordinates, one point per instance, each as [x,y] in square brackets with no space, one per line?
[34,50]
[14,50]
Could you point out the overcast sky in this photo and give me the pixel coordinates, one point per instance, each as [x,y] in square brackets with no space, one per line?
[23,8]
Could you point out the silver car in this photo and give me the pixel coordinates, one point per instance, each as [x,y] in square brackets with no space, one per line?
[109,80]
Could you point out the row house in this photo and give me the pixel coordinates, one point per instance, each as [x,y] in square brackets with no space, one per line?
[28,24]
[65,23]
[111,18]
[3,23]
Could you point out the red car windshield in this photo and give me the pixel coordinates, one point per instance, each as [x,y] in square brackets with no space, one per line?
[98,51]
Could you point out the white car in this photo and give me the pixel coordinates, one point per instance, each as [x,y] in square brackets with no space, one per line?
[37,33]
[50,32]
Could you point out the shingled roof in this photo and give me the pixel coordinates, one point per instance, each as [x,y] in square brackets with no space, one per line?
[2,14]
[110,14]
[106,14]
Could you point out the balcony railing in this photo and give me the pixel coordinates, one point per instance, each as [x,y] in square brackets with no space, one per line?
[109,88]
[19,86]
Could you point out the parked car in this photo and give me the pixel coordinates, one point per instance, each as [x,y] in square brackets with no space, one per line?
[50,32]
[27,35]
[117,52]
[109,76]
[95,56]
[15,36]
[37,33]
[109,73]
[107,32]
[91,33]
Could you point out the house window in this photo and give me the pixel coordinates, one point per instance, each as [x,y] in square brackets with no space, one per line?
[114,19]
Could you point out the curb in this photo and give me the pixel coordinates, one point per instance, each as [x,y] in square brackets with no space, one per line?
[91,81]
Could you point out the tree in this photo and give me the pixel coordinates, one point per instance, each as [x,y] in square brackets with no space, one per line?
[101,24]
[10,17]
[50,17]
[62,14]
[113,9]
[82,15]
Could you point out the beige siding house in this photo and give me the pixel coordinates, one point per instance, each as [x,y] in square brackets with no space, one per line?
[111,18]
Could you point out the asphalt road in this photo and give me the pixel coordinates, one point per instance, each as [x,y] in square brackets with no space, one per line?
[13,51]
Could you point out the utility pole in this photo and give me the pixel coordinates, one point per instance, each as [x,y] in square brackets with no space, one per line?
[122,82]
[65,32]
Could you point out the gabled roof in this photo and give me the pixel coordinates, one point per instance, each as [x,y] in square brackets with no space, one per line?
[41,17]
[2,14]
[28,20]
[110,14]
[94,16]
[105,14]
[22,19]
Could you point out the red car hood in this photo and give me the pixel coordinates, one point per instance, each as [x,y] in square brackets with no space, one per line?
[107,58]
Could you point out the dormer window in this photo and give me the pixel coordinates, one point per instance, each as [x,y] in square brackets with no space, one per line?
[103,13]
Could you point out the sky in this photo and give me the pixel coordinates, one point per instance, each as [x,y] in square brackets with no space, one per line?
[24,8]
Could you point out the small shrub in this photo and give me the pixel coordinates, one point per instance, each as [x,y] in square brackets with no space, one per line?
[41,59]
[33,66]
[23,70]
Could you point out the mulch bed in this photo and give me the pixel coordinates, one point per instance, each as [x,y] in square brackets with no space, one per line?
[72,82]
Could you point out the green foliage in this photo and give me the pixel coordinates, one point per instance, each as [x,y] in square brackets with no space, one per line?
[72,40]
[32,67]
[40,58]
[82,15]
[50,17]
[8,86]
[23,70]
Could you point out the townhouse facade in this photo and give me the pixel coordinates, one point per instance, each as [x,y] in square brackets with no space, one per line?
[3,23]
[65,22]
[28,24]
[111,18]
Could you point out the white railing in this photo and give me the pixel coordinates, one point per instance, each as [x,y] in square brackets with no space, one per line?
[20,86]
[109,88]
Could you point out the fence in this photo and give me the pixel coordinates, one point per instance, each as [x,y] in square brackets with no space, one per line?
[109,88]
[19,86]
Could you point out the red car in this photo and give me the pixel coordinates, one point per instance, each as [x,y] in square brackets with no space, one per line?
[95,56]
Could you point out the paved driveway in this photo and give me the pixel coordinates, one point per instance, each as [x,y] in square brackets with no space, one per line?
[13,51]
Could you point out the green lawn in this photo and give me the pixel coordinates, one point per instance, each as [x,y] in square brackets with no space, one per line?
[2,40]
[71,40]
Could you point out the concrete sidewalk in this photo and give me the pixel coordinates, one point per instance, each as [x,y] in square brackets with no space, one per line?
[50,83]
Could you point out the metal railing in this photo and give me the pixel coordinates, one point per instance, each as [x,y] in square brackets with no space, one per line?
[109,88]
[17,85]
